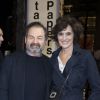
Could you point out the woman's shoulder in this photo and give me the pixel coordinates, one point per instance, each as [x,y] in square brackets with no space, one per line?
[85,51]
[56,52]
[80,50]
[85,54]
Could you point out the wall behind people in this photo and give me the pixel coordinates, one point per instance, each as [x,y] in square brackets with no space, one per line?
[47,13]
[97,34]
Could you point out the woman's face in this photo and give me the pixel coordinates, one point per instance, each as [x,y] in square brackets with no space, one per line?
[65,37]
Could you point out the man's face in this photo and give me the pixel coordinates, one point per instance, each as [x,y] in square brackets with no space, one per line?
[35,40]
[1,36]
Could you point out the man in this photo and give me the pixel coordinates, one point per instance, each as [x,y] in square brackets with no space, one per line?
[1,40]
[27,75]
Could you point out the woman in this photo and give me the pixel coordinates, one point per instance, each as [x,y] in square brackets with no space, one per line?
[73,64]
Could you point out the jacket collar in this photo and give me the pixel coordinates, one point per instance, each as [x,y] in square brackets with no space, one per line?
[72,61]
[76,51]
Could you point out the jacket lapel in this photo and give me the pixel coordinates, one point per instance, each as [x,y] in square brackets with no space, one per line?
[70,64]
[48,74]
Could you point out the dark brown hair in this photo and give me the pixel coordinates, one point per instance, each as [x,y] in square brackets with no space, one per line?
[63,21]
[36,24]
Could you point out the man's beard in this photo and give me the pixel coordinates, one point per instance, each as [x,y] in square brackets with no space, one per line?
[34,49]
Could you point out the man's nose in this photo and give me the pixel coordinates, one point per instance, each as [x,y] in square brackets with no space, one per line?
[35,40]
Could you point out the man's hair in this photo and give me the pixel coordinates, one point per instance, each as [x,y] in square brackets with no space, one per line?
[36,24]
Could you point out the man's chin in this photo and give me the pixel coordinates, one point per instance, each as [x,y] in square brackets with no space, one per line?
[36,50]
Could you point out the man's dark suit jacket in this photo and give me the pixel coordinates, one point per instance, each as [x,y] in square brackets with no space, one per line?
[12,76]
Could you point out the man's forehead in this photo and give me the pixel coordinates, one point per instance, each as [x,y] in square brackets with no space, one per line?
[36,30]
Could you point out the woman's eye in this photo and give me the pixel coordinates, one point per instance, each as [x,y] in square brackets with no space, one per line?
[68,33]
[60,34]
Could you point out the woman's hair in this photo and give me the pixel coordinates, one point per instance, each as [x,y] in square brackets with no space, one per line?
[62,22]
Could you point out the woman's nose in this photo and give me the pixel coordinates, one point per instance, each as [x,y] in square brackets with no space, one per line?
[64,36]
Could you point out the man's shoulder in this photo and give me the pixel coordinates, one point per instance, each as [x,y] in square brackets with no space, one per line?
[45,57]
[16,55]
[47,63]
